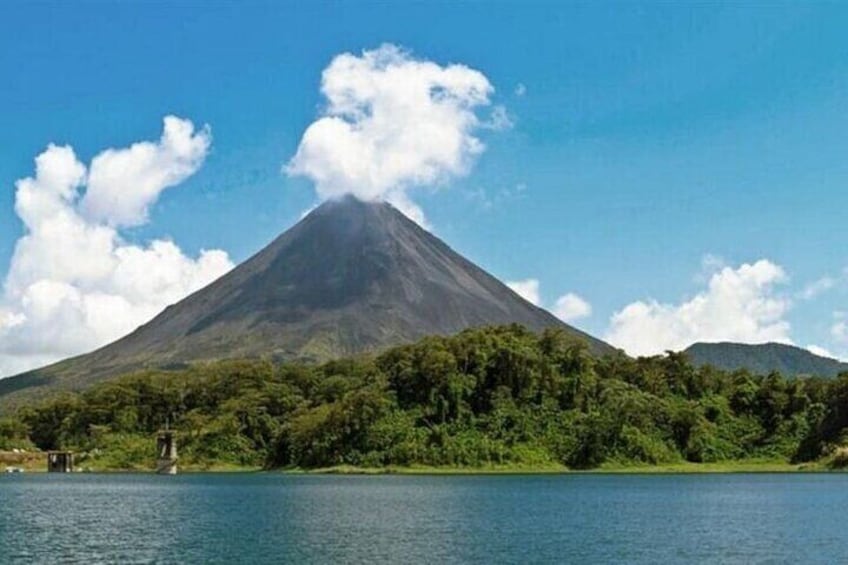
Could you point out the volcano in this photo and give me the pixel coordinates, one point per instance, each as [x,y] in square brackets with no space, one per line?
[350,277]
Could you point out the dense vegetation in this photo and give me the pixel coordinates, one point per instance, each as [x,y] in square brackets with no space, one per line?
[490,396]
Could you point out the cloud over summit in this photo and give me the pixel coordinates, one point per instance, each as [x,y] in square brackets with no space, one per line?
[391,123]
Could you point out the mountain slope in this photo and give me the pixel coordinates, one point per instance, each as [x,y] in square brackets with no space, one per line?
[351,277]
[764,358]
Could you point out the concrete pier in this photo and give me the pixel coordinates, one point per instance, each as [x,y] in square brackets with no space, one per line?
[60,462]
[166,448]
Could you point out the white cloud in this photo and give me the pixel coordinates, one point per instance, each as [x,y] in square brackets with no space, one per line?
[392,123]
[817,287]
[74,284]
[123,183]
[570,307]
[739,304]
[520,90]
[821,351]
[528,289]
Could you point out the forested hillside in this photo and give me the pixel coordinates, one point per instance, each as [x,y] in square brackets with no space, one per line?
[486,397]
[764,358]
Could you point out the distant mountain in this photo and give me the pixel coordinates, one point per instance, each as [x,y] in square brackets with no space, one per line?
[764,358]
[350,277]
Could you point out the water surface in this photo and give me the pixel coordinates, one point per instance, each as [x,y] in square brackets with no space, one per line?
[258,518]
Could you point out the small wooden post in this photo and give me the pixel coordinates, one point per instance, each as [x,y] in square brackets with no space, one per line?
[60,462]
[166,449]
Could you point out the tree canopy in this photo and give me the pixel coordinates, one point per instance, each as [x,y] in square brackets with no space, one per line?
[488,396]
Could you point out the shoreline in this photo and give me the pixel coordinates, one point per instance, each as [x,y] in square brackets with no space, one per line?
[681,468]
[685,468]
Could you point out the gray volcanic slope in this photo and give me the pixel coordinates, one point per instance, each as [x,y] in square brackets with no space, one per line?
[350,277]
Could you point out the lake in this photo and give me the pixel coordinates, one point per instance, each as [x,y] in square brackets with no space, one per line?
[257,518]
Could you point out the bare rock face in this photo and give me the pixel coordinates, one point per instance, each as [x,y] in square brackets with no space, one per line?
[351,277]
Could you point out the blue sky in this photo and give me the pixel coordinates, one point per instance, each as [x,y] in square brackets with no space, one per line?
[653,147]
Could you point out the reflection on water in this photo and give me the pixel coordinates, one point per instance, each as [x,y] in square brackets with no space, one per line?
[401,519]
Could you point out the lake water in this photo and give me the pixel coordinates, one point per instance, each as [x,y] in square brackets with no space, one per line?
[260,518]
